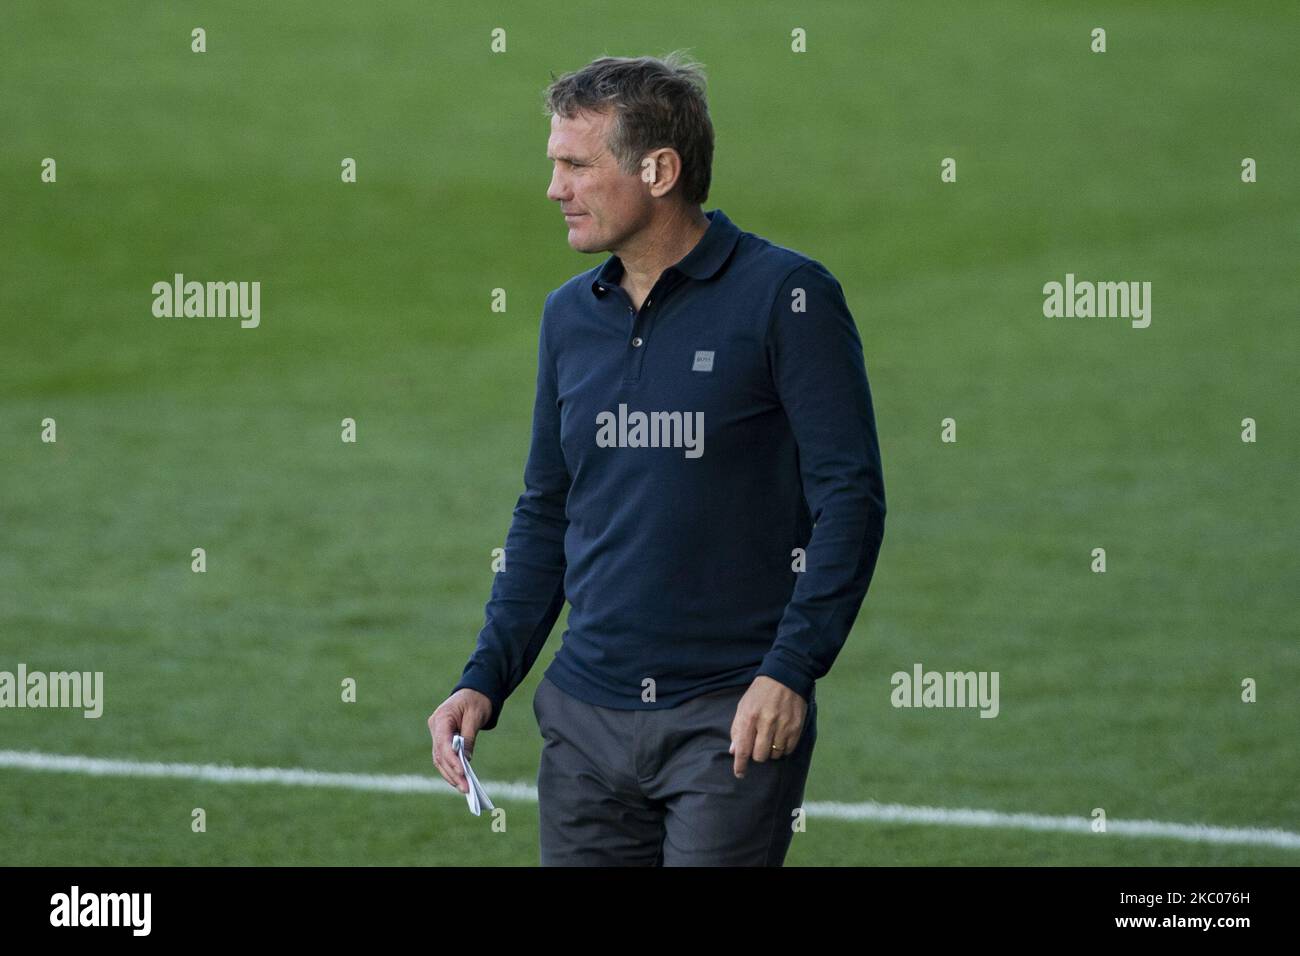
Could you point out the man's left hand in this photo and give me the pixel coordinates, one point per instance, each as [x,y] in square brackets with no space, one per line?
[769,716]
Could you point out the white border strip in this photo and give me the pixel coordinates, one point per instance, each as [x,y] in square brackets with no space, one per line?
[869,811]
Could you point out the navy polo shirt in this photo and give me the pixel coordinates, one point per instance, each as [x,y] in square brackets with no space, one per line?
[704,483]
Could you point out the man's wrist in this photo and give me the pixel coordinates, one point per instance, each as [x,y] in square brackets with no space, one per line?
[797,681]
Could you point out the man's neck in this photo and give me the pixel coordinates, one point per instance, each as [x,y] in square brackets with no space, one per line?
[664,244]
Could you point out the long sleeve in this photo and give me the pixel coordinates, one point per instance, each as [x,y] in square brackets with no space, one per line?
[528,595]
[817,365]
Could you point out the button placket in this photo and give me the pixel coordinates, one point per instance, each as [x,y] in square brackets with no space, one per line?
[636,354]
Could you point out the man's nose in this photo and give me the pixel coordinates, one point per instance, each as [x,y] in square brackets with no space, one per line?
[558,190]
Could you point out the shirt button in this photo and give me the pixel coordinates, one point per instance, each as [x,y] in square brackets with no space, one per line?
[636,342]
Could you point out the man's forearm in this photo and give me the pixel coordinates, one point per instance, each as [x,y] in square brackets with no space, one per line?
[527,598]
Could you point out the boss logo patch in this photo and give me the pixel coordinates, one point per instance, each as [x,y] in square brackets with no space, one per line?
[703,362]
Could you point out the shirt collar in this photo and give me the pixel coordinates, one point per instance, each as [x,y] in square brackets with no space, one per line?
[702,262]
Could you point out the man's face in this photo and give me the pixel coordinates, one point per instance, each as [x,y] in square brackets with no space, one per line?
[606,205]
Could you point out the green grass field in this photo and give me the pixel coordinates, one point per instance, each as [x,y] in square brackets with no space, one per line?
[328,560]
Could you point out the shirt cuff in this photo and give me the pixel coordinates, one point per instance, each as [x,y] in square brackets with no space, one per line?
[798,682]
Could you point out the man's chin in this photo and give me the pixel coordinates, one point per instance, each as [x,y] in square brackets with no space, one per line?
[581,244]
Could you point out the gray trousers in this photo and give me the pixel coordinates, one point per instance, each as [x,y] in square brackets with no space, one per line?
[656,788]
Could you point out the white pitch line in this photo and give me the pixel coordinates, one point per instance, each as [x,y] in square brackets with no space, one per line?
[1194,832]
[869,811]
[216,773]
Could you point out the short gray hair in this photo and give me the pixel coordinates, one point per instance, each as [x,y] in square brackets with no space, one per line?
[656,103]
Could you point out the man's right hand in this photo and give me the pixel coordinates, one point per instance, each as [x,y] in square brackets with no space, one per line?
[464,712]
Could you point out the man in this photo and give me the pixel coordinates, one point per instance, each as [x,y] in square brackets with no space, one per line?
[702,402]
